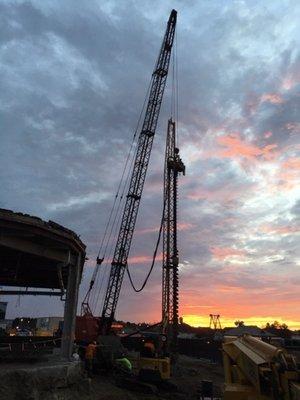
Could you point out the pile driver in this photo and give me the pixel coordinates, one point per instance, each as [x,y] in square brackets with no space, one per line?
[173,166]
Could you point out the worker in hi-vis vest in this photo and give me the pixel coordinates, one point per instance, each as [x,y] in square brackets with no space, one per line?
[90,357]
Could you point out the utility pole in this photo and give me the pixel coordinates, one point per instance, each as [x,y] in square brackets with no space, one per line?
[173,166]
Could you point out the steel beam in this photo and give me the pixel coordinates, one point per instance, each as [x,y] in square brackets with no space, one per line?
[28,293]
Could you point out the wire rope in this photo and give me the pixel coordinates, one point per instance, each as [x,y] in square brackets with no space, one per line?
[131,155]
[99,261]
[153,259]
[114,229]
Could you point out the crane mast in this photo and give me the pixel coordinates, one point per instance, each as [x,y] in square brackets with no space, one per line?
[144,146]
[173,166]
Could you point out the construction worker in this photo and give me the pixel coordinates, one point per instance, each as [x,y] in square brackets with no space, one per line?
[148,349]
[124,365]
[90,356]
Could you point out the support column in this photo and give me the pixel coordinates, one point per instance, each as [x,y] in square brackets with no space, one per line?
[70,311]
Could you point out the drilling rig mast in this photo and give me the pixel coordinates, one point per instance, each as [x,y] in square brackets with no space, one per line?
[144,146]
[173,166]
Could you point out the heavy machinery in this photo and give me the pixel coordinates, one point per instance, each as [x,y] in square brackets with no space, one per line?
[255,370]
[133,198]
[135,189]
[158,367]
[88,327]
[173,167]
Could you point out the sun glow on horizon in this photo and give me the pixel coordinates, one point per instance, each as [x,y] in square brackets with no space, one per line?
[260,321]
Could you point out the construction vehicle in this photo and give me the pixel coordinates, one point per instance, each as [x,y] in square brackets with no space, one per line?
[255,370]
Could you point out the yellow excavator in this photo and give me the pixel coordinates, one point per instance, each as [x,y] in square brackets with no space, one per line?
[255,370]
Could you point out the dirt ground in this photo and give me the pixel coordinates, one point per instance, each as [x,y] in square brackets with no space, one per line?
[187,377]
[191,371]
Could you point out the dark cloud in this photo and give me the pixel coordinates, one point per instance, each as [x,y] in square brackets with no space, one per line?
[73,83]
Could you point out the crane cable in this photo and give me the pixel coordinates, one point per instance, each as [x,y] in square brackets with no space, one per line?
[153,259]
[117,218]
[114,227]
[129,155]
[100,260]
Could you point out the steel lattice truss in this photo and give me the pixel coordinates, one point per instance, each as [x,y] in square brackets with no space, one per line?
[173,166]
[136,185]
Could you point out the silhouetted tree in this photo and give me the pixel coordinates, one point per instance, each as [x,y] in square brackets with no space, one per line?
[278,329]
[239,323]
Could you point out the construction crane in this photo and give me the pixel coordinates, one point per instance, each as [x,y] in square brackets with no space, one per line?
[257,370]
[136,184]
[173,167]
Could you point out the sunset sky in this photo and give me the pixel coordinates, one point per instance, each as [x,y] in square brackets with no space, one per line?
[73,79]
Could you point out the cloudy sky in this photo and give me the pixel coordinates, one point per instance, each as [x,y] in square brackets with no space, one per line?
[73,79]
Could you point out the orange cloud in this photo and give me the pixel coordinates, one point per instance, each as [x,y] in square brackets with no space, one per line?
[292,78]
[289,174]
[268,134]
[236,147]
[184,226]
[288,83]
[229,289]
[146,230]
[223,252]
[143,259]
[273,98]
[181,226]
[222,194]
[281,230]
[233,302]
[292,163]
[252,102]
[254,298]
